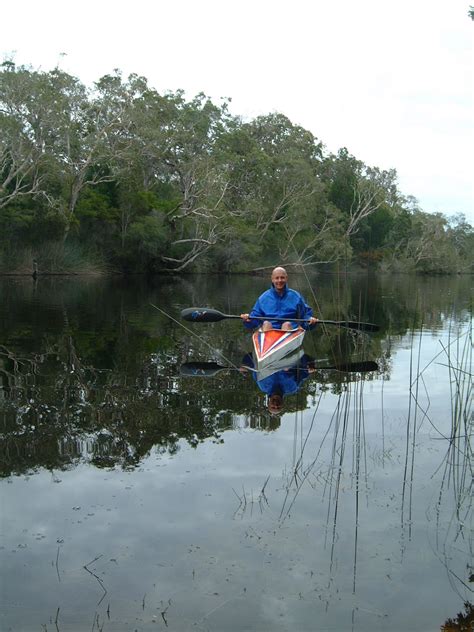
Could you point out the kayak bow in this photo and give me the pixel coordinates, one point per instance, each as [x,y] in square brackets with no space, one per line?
[273,345]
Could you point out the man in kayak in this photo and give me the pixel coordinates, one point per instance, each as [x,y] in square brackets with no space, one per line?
[279,384]
[280,302]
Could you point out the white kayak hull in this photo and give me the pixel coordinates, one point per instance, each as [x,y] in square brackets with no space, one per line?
[270,347]
[288,362]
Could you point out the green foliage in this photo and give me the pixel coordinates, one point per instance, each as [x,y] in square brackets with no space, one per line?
[157,182]
[341,177]
[148,235]
[95,205]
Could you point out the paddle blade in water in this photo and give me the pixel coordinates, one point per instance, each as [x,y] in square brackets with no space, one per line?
[357,367]
[201,369]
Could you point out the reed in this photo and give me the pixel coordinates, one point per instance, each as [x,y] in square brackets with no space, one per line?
[53,258]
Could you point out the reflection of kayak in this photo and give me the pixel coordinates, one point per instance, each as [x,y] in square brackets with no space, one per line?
[287,362]
[271,346]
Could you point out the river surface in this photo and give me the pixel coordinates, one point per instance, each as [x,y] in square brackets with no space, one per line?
[135,496]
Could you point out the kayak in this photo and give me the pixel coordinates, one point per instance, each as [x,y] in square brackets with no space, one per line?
[271,346]
[287,362]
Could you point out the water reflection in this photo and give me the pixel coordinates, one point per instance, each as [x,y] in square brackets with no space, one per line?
[452,537]
[351,513]
[95,376]
[277,381]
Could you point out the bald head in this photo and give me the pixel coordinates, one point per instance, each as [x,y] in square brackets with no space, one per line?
[279,279]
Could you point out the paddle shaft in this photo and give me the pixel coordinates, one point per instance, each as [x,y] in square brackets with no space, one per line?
[208,315]
[209,369]
[203,315]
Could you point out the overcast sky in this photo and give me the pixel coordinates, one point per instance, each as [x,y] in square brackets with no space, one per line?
[392,82]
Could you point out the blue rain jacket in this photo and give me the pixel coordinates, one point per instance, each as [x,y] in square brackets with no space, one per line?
[285,382]
[288,305]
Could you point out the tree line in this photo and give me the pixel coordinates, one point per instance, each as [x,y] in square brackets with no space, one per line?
[119,176]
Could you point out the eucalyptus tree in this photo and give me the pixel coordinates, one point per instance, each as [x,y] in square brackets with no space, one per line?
[427,242]
[177,140]
[136,168]
[461,234]
[168,209]
[92,134]
[58,137]
[277,191]
[159,181]
[358,190]
[429,247]
[373,189]
[24,134]
[288,169]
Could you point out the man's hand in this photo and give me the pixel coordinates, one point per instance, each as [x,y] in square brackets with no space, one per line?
[245,317]
[313,320]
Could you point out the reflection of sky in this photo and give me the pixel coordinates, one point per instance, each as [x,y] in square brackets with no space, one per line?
[191,535]
[174,538]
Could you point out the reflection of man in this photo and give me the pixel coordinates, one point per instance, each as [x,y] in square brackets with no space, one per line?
[279,302]
[275,404]
[281,383]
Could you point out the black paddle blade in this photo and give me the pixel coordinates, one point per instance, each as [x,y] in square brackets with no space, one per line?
[202,315]
[356,367]
[200,369]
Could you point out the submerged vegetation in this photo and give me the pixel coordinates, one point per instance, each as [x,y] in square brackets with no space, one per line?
[120,176]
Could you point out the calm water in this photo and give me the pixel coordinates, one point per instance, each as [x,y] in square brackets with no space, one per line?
[134,497]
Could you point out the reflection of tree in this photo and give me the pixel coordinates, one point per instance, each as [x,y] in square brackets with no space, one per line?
[110,420]
[110,393]
[58,410]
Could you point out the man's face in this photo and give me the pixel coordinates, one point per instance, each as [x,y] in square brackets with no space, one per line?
[275,404]
[279,279]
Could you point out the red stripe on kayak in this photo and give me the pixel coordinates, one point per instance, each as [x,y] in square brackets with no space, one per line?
[270,340]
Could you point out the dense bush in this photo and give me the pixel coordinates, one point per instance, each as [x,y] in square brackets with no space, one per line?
[140,181]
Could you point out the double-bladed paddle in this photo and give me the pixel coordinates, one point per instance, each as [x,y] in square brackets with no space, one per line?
[208,315]
[209,369]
